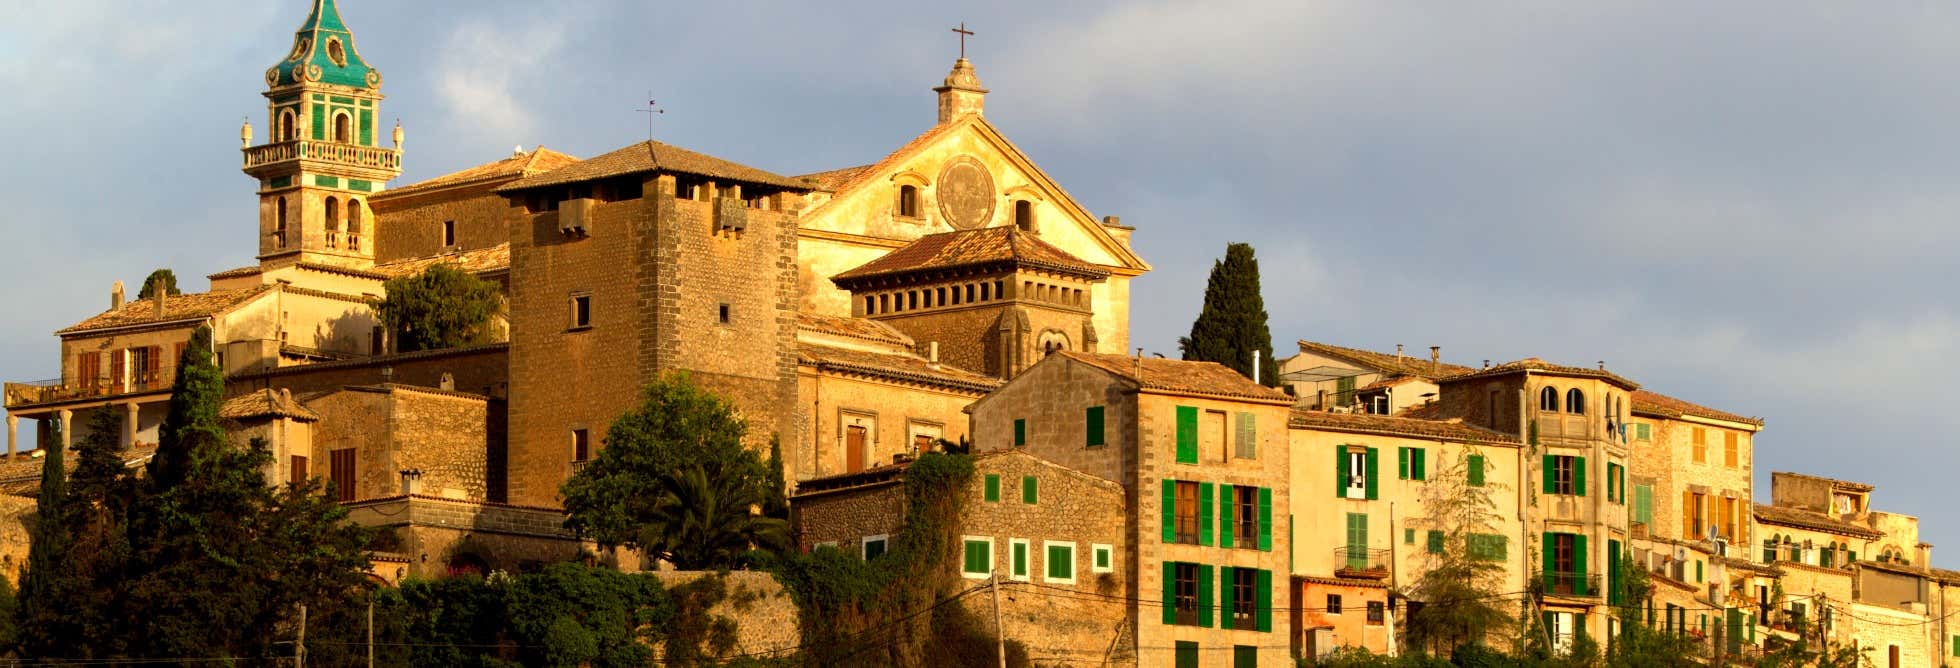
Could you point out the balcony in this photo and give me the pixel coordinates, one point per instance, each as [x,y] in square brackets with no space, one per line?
[1356,562]
[579,465]
[1571,585]
[41,392]
[350,155]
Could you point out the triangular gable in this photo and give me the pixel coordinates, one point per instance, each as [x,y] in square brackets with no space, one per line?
[1119,257]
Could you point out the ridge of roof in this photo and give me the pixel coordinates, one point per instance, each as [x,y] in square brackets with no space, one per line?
[1181,376]
[538,160]
[652,156]
[263,403]
[1397,426]
[1808,519]
[1535,364]
[856,328]
[1649,402]
[904,368]
[175,307]
[1385,363]
[972,248]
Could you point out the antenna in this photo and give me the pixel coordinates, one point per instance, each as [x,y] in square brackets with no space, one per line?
[653,109]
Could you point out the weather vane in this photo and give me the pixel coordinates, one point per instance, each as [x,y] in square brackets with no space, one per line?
[652,109]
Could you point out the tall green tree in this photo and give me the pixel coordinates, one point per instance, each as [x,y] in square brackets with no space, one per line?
[675,481]
[1462,585]
[160,281]
[1639,644]
[443,307]
[1232,326]
[49,583]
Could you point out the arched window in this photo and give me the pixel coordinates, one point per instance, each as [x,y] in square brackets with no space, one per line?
[279,224]
[908,201]
[354,224]
[286,131]
[870,304]
[1548,399]
[343,128]
[1575,402]
[1024,215]
[333,223]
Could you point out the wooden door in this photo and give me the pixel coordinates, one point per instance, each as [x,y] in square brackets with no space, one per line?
[341,468]
[854,448]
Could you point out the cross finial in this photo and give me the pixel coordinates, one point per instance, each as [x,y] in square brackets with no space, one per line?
[651,109]
[964,33]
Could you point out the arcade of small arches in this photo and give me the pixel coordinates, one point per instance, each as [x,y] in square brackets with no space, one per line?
[355,222]
[974,292]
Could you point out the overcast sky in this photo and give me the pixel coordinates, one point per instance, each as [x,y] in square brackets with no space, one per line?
[1749,205]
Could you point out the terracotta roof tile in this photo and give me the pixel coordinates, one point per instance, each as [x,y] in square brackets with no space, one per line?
[1157,373]
[856,328]
[252,270]
[1647,402]
[972,248]
[21,474]
[1389,381]
[265,403]
[476,261]
[835,179]
[1397,426]
[1386,363]
[175,307]
[1806,519]
[650,156]
[909,368]
[1535,364]
[538,161]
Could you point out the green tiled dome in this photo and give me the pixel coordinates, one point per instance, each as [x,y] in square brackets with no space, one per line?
[323,51]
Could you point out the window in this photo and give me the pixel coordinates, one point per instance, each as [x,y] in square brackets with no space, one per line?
[336,52]
[1243,588]
[279,225]
[1643,431]
[1187,654]
[1565,474]
[333,223]
[1104,557]
[1246,438]
[1548,400]
[1357,486]
[1024,215]
[1187,435]
[979,558]
[1566,568]
[1377,612]
[908,201]
[1701,445]
[1575,402]
[1357,541]
[286,131]
[1093,418]
[1184,584]
[343,128]
[1245,515]
[1028,488]
[1486,546]
[581,311]
[1476,471]
[1060,565]
[1408,536]
[581,445]
[722,314]
[1187,512]
[353,224]
[1412,464]
[1333,604]
[1732,449]
[1017,559]
[342,471]
[873,547]
[993,487]
[1245,656]
[298,471]
[88,369]
[1694,513]
[1614,477]
[1020,432]
[1643,504]
[448,233]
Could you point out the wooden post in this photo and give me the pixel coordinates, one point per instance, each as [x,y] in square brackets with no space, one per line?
[1000,634]
[370,629]
[299,646]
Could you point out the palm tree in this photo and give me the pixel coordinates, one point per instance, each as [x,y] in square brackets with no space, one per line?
[704,521]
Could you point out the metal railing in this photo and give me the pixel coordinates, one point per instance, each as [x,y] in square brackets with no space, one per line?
[1584,585]
[1360,562]
[36,392]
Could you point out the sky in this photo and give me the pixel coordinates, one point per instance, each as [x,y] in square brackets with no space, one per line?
[1749,205]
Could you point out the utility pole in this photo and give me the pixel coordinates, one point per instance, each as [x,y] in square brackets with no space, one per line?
[370,629]
[1000,634]
[299,646]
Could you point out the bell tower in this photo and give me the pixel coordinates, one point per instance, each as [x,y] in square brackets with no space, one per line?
[323,157]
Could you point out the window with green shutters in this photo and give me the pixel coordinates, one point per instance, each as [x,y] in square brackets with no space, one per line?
[1435,545]
[1017,557]
[1564,474]
[1206,606]
[1408,536]
[1614,595]
[1357,541]
[1956,645]
[979,557]
[1020,432]
[1093,417]
[1263,591]
[1187,654]
[1103,556]
[1476,470]
[1487,547]
[1187,434]
[1643,504]
[1060,566]
[1355,472]
[1246,441]
[1411,464]
[993,487]
[1266,519]
[1245,656]
[1028,486]
[1207,513]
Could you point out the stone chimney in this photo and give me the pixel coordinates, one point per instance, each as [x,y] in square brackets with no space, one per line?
[961,94]
[1435,359]
[1399,357]
[161,296]
[116,296]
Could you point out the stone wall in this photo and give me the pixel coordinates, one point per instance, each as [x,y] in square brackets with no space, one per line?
[444,435]
[842,517]
[477,370]
[436,534]
[891,412]
[410,226]
[766,618]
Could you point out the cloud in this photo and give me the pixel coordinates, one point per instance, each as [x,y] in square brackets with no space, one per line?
[481,68]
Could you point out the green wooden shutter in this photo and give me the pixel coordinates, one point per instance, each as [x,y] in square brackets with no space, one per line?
[1204,595]
[1228,518]
[1579,565]
[1402,470]
[1187,434]
[1225,596]
[1340,471]
[1643,504]
[1373,455]
[1613,594]
[1094,418]
[1061,562]
[1170,511]
[1266,519]
[1697,572]
[976,557]
[1620,484]
[1187,654]
[1476,470]
[1420,461]
[1020,432]
[1435,542]
[1170,592]
[1357,540]
[1205,513]
[993,487]
[1029,489]
[1262,588]
[1020,568]
[1248,441]
[1549,565]
[1245,656]
[1551,474]
[1579,475]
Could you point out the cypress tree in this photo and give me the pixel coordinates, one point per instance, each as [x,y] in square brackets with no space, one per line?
[49,584]
[191,428]
[1232,325]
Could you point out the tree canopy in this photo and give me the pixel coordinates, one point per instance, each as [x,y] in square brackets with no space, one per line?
[443,307]
[163,280]
[1232,325]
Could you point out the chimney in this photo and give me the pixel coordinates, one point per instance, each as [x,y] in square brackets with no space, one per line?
[1486,364]
[1400,358]
[161,297]
[1435,359]
[116,296]
[1112,221]
[1256,354]
[1602,365]
[411,482]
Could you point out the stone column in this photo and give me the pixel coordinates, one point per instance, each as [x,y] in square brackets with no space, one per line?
[131,412]
[13,429]
[67,421]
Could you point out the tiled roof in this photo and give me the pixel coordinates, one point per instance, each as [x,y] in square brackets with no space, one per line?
[175,307]
[1849,485]
[909,368]
[538,161]
[1387,363]
[871,476]
[1535,364]
[21,474]
[832,180]
[856,328]
[972,248]
[1806,519]
[1647,402]
[252,270]
[649,156]
[1157,373]
[1397,426]
[475,261]
[1389,381]
[1947,576]
[265,403]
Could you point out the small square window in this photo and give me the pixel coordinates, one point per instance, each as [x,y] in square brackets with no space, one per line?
[874,546]
[724,314]
[1060,565]
[1105,558]
[1017,559]
[978,561]
[1376,612]
[1333,604]
[581,311]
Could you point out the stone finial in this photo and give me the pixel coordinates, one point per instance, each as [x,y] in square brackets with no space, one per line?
[961,94]
[245,134]
[116,296]
[398,134]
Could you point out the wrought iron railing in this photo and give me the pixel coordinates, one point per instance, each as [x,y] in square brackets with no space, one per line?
[1585,585]
[36,392]
[1360,562]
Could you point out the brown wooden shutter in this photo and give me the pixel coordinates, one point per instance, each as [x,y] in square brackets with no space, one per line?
[152,365]
[117,361]
[299,473]
[342,469]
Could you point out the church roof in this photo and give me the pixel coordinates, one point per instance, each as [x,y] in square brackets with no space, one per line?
[175,307]
[843,180]
[651,156]
[834,180]
[855,328]
[323,51]
[265,403]
[903,368]
[476,261]
[1182,376]
[538,161]
[973,248]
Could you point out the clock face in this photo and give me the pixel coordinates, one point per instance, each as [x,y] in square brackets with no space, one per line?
[966,193]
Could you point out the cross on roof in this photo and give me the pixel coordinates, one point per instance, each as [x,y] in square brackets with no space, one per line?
[964,33]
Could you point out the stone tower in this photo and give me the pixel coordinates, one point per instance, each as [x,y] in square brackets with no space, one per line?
[323,155]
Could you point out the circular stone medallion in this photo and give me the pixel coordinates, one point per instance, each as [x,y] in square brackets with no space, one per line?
[966,193]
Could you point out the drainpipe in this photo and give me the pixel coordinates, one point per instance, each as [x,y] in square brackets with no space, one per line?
[1524,479]
[1394,568]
